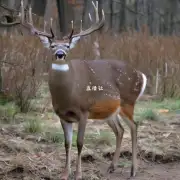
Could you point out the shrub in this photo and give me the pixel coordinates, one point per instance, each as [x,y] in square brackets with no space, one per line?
[22,62]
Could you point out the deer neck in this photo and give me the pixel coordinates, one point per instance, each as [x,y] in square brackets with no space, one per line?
[60,65]
[60,71]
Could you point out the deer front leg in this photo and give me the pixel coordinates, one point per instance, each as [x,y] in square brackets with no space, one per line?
[80,142]
[68,132]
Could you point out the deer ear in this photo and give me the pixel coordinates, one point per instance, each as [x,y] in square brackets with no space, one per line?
[45,41]
[74,42]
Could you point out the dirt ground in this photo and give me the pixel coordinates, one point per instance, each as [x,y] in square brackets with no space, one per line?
[30,157]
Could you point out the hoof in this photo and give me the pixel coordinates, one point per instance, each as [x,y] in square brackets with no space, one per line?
[78,176]
[111,169]
[133,171]
[64,176]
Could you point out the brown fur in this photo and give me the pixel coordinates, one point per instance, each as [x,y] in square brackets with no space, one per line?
[103,109]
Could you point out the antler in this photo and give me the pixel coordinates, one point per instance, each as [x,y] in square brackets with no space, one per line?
[95,26]
[30,26]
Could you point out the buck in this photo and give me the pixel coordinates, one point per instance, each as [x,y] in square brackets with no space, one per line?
[103,90]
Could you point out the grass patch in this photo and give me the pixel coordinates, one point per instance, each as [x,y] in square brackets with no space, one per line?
[124,164]
[105,138]
[149,114]
[173,104]
[55,135]
[4,100]
[170,104]
[74,139]
[8,112]
[149,110]
[145,114]
[33,125]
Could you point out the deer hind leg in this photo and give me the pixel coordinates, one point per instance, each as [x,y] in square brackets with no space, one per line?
[126,113]
[68,132]
[80,142]
[118,130]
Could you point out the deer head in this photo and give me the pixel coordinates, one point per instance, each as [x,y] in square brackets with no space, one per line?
[60,48]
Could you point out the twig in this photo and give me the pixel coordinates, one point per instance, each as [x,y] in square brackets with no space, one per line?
[6,163]
[11,9]
[12,64]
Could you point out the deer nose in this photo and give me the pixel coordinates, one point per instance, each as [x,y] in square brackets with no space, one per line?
[60,54]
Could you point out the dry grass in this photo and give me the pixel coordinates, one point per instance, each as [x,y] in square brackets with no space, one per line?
[22,61]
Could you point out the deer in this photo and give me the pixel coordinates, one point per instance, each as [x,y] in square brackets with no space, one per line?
[104,90]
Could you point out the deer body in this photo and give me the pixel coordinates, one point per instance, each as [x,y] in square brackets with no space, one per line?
[98,89]
[72,102]
[70,96]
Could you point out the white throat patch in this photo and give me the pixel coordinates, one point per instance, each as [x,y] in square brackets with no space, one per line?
[60,67]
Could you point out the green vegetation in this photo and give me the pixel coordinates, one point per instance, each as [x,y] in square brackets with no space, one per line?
[104,138]
[169,104]
[54,135]
[149,114]
[8,112]
[33,125]
[150,110]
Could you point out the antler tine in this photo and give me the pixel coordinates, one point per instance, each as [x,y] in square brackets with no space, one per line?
[22,12]
[71,34]
[72,31]
[45,26]
[96,10]
[90,17]
[30,14]
[51,22]
[95,26]
[81,26]
[29,24]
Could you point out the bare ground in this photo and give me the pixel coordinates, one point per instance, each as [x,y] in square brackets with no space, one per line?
[31,157]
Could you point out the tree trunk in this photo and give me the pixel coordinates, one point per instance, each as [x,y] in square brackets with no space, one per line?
[136,7]
[122,24]
[62,6]
[111,14]
[39,7]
